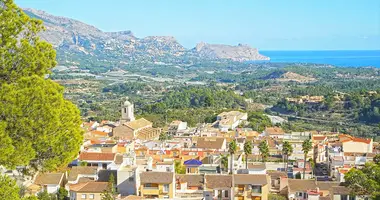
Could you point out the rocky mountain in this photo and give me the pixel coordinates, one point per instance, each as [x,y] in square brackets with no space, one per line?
[237,53]
[77,42]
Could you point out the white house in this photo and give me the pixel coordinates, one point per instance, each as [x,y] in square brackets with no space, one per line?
[230,120]
[50,182]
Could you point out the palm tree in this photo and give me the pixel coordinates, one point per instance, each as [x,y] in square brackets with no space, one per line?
[247,151]
[264,150]
[223,161]
[232,147]
[287,150]
[306,147]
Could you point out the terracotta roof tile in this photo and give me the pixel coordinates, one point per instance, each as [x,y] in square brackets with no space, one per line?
[138,123]
[92,156]
[192,180]
[218,181]
[156,177]
[274,131]
[210,143]
[48,178]
[95,187]
[254,179]
[84,170]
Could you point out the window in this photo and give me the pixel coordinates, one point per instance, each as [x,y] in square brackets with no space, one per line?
[166,188]
[131,179]
[226,193]
[83,196]
[91,196]
[168,169]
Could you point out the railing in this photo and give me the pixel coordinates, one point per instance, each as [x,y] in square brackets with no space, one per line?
[150,188]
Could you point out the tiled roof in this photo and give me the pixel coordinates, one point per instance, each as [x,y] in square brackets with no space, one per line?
[95,187]
[156,177]
[100,133]
[138,123]
[210,143]
[192,162]
[256,166]
[274,131]
[195,180]
[276,174]
[218,181]
[254,179]
[92,156]
[123,132]
[348,138]
[48,178]
[304,185]
[84,170]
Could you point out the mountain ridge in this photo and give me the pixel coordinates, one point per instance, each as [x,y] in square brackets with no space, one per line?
[76,41]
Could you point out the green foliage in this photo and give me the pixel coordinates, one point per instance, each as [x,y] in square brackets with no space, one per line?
[247,151]
[258,121]
[224,161]
[164,136]
[276,197]
[38,127]
[196,97]
[82,163]
[22,53]
[109,193]
[38,124]
[364,181]
[264,150]
[46,196]
[179,168]
[306,148]
[8,188]
[287,150]
[62,194]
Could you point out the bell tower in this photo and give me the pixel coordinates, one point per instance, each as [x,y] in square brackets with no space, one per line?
[127,111]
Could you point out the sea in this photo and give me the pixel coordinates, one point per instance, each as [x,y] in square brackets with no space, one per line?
[349,58]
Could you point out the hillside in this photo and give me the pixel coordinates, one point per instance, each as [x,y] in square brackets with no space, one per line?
[80,43]
[284,76]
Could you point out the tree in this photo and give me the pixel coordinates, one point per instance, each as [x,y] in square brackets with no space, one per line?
[364,181]
[376,159]
[62,194]
[232,147]
[22,53]
[312,164]
[179,168]
[38,126]
[247,151]
[287,150]
[224,161]
[306,147]
[46,196]
[110,191]
[264,150]
[276,197]
[8,188]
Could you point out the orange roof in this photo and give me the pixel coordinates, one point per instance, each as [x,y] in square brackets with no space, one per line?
[343,171]
[349,138]
[101,133]
[95,187]
[274,131]
[91,156]
[319,137]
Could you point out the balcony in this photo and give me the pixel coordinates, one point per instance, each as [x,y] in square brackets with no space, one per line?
[151,191]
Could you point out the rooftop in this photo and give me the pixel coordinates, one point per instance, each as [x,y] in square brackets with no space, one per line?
[139,123]
[156,177]
[48,178]
[95,187]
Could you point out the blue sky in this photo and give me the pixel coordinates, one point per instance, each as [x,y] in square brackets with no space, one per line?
[266,24]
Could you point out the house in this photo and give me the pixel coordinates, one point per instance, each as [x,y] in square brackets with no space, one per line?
[189,186]
[257,168]
[79,174]
[87,190]
[50,182]
[157,185]
[216,143]
[128,180]
[354,144]
[218,187]
[100,160]
[344,193]
[230,120]
[300,189]
[192,166]
[103,148]
[177,127]
[251,186]
[274,132]
[166,166]
[278,181]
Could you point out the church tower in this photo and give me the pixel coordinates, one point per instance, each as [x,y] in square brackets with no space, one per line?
[127,112]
